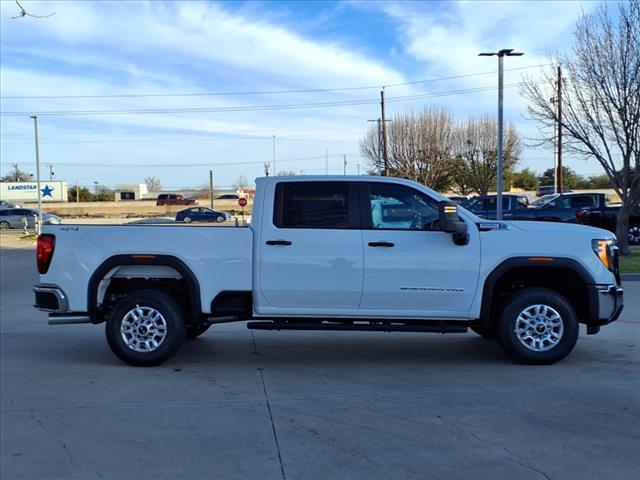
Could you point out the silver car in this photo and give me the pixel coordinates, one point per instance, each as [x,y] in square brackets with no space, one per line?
[13,218]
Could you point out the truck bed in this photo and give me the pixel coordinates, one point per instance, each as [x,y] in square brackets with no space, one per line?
[220,257]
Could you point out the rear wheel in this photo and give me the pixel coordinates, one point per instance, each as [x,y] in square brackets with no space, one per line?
[186,219]
[145,328]
[4,225]
[537,326]
[634,234]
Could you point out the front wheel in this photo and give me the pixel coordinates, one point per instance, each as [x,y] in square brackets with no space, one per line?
[145,328]
[220,218]
[537,326]
[4,225]
[634,234]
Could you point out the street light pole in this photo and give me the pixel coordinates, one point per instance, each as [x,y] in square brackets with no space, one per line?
[505,52]
[35,125]
[274,155]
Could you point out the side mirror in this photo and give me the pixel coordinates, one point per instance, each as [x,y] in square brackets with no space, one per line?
[451,223]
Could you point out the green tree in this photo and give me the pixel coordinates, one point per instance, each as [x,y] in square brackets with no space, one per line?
[600,181]
[105,195]
[85,195]
[569,177]
[525,179]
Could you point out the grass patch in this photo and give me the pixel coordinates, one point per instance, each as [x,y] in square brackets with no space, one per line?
[630,263]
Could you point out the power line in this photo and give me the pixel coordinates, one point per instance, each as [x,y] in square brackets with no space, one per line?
[263,92]
[254,108]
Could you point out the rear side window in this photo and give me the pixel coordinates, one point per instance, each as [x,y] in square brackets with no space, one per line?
[312,205]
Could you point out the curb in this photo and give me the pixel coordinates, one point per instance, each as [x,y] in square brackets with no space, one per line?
[630,277]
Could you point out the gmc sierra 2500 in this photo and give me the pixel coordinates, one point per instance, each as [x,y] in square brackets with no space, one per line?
[334,253]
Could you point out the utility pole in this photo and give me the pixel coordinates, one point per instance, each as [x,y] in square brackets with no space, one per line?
[77,192]
[51,174]
[211,189]
[274,156]
[508,52]
[35,125]
[344,158]
[385,156]
[559,126]
[358,165]
[326,161]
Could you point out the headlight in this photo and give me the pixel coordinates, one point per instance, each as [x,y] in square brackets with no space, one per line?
[607,252]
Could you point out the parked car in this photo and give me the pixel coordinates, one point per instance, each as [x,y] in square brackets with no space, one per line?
[12,218]
[321,255]
[228,196]
[174,199]
[459,199]
[606,217]
[485,205]
[6,204]
[547,189]
[201,214]
[549,208]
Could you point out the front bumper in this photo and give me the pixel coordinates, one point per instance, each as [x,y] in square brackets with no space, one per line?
[605,306]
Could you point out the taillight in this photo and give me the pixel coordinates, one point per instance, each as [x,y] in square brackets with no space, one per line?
[46,244]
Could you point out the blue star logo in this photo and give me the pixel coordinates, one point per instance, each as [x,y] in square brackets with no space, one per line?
[46,191]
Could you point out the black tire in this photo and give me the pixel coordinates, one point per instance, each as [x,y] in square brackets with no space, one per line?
[194,331]
[146,300]
[488,333]
[5,225]
[634,234]
[508,321]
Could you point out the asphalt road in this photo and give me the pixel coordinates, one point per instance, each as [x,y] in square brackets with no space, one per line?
[310,405]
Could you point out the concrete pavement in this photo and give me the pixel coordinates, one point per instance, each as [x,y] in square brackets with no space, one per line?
[310,405]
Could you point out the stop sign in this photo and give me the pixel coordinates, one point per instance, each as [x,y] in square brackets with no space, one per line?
[242,202]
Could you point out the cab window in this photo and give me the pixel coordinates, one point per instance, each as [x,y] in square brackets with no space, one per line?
[398,207]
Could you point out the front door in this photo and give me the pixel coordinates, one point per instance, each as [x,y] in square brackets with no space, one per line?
[410,267]
[310,250]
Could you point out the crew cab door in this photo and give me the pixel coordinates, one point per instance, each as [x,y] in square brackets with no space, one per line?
[310,257]
[410,267]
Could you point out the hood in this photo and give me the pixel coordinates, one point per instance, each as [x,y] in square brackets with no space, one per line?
[558,227]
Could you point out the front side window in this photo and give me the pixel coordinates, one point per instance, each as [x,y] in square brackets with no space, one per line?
[397,207]
[312,205]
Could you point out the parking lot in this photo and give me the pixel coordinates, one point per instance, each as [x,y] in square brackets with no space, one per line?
[310,405]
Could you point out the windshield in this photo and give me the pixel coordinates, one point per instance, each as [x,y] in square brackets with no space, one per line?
[542,201]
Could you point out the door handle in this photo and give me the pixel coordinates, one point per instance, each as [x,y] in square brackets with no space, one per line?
[284,243]
[381,244]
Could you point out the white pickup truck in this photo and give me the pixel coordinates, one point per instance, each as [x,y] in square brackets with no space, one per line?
[334,253]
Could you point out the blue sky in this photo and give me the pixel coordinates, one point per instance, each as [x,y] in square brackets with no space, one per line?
[95,51]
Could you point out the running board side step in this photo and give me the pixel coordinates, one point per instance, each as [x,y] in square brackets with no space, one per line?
[70,319]
[373,326]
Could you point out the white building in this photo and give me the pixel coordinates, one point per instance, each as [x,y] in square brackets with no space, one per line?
[132,191]
[51,191]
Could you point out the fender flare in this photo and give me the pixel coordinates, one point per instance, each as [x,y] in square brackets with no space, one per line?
[93,310]
[517,262]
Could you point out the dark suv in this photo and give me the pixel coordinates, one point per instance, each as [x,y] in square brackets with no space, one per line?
[174,199]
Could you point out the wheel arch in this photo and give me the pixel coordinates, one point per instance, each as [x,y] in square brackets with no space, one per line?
[96,314]
[563,270]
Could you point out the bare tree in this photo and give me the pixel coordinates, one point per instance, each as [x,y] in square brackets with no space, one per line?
[23,13]
[153,184]
[475,153]
[17,175]
[241,183]
[600,101]
[419,146]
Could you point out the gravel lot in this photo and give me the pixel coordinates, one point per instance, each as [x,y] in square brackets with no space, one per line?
[309,405]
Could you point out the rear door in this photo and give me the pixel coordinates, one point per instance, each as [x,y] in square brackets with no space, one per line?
[410,267]
[311,249]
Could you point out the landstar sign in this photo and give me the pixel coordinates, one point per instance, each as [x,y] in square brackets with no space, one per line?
[28,191]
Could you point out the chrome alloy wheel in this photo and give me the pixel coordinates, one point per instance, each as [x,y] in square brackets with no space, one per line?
[634,235]
[539,328]
[143,329]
